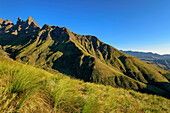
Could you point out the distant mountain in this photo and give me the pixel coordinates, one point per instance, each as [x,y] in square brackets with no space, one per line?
[161,61]
[81,56]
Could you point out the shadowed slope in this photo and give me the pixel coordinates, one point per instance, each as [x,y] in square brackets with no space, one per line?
[83,57]
[24,88]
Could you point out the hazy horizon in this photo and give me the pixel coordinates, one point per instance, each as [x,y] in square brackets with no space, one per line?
[145,51]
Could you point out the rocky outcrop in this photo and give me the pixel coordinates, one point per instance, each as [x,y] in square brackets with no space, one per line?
[30,21]
[21,27]
[1,20]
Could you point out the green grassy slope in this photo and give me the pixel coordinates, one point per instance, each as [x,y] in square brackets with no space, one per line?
[24,88]
[83,57]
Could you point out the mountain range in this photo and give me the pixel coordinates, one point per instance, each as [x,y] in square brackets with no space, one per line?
[85,57]
[161,61]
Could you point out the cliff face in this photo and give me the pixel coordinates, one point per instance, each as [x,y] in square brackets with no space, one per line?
[80,56]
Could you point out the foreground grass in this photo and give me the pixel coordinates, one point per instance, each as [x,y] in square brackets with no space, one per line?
[27,89]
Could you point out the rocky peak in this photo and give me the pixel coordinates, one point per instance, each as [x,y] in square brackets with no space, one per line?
[46,26]
[8,22]
[19,20]
[30,21]
[1,20]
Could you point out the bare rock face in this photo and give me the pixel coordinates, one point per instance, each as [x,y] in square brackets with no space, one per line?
[20,27]
[19,20]
[1,20]
[8,27]
[5,25]
[30,21]
[8,22]
[15,32]
[80,56]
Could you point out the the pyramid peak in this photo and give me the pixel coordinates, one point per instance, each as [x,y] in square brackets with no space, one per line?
[30,20]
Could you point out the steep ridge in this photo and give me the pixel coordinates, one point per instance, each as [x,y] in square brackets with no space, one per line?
[83,57]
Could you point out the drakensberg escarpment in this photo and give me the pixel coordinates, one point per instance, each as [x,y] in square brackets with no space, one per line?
[161,61]
[79,56]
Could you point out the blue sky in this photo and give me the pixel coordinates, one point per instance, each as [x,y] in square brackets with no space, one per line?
[142,25]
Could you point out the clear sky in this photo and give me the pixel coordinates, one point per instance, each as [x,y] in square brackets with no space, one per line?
[125,24]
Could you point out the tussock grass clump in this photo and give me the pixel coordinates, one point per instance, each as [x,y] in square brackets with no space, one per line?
[27,89]
[91,104]
[57,91]
[19,84]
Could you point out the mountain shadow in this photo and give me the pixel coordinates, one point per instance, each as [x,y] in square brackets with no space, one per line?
[81,56]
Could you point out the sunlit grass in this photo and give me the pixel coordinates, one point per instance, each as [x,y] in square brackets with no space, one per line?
[27,89]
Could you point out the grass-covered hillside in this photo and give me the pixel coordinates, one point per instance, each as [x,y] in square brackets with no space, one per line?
[56,48]
[24,88]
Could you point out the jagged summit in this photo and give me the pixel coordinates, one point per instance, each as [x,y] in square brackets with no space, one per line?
[5,25]
[20,27]
[81,56]
[8,22]
[19,20]
[46,26]
[30,21]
